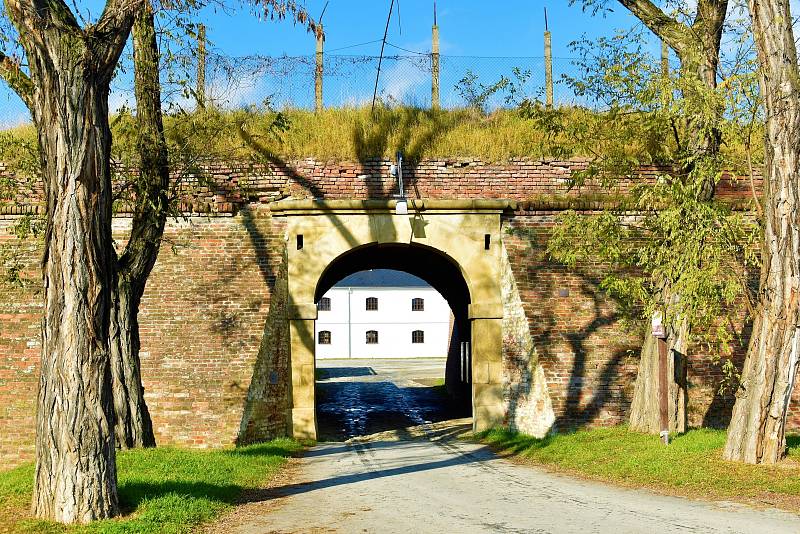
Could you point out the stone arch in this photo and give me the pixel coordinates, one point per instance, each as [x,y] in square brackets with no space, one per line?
[463,233]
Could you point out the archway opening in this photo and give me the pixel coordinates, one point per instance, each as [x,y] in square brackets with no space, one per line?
[392,341]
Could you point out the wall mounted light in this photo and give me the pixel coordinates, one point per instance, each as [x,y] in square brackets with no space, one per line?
[401,208]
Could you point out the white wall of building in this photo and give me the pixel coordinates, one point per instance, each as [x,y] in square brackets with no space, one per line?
[348,322]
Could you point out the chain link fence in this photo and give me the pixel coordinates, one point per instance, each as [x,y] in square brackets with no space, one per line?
[404,80]
[349,81]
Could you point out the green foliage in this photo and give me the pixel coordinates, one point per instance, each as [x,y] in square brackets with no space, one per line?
[692,465]
[477,95]
[21,155]
[672,247]
[162,490]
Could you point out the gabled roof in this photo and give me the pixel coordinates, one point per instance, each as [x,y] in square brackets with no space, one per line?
[381,278]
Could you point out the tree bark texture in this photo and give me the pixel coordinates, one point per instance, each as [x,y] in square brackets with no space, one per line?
[134,426]
[645,415]
[75,458]
[67,88]
[757,430]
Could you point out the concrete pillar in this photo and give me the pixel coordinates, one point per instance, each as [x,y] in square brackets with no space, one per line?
[200,90]
[548,70]
[318,72]
[435,99]
[488,408]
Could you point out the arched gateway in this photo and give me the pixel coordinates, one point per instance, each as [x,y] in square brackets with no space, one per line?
[452,244]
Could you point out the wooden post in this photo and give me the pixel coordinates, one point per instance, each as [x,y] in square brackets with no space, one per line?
[663,390]
[435,102]
[319,71]
[548,64]
[200,90]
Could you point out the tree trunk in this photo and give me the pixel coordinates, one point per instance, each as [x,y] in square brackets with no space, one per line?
[75,478]
[134,426]
[757,430]
[645,414]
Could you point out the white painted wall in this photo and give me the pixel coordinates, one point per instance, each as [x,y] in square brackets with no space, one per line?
[348,322]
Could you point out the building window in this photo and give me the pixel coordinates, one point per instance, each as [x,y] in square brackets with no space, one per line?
[417,304]
[324,304]
[372,304]
[372,337]
[324,337]
[418,336]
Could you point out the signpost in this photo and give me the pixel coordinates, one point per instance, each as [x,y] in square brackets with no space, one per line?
[659,332]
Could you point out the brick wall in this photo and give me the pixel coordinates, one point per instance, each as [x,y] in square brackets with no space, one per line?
[214,337]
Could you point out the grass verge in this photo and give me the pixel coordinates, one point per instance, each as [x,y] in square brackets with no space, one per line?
[691,466]
[162,490]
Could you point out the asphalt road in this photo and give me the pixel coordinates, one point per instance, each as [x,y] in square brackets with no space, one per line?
[423,479]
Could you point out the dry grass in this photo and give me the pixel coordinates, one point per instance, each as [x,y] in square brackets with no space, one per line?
[357,133]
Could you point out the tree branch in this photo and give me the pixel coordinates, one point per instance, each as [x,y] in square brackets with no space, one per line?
[668,29]
[111,32]
[16,79]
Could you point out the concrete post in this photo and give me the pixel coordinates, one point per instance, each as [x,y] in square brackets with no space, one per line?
[435,101]
[200,90]
[319,72]
[548,70]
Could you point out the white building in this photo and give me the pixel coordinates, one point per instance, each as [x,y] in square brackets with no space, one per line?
[382,314]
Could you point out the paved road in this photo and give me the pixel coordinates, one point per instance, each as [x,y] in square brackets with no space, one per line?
[425,480]
[362,397]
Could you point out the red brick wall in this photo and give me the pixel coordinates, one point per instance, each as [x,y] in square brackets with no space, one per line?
[20,314]
[590,361]
[214,337]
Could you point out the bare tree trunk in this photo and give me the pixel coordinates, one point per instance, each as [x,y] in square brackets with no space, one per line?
[75,477]
[66,89]
[645,415]
[757,430]
[134,426]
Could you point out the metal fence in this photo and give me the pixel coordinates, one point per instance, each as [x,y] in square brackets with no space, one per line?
[349,81]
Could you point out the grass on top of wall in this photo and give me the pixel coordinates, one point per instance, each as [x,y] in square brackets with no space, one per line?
[162,490]
[691,465]
[356,134]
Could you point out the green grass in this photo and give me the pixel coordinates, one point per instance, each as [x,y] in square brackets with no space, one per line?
[162,490]
[691,465]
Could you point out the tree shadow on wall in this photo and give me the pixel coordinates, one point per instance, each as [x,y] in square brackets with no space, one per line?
[370,139]
[718,414]
[413,131]
[556,329]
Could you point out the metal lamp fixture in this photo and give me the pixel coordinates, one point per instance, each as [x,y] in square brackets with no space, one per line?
[401,207]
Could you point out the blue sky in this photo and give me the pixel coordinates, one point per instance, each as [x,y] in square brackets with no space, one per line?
[467,28]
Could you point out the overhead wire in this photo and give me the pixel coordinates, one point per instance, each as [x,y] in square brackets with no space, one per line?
[407,50]
[380,59]
[354,45]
